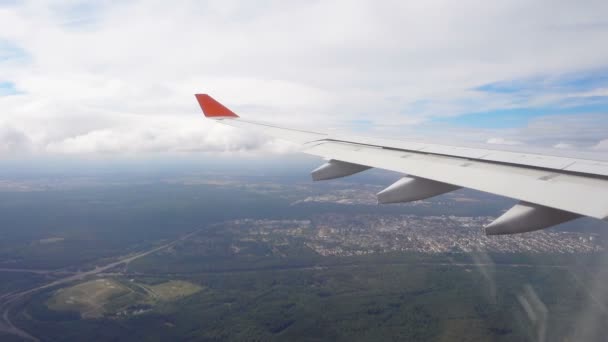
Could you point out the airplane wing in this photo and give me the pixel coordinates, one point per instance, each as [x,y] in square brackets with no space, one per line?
[550,189]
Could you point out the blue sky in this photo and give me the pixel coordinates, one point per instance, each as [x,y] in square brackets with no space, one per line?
[10,52]
[118,77]
[580,93]
[7,88]
[521,116]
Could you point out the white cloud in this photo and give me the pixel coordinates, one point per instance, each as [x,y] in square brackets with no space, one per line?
[502,141]
[181,136]
[562,145]
[602,145]
[599,92]
[12,141]
[119,76]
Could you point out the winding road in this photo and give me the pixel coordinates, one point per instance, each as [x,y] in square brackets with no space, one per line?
[7,301]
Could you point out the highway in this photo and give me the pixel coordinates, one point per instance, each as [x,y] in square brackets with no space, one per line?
[8,300]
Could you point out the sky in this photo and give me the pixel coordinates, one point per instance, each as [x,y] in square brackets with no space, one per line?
[90,79]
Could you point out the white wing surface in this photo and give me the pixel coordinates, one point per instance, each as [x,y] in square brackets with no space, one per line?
[551,189]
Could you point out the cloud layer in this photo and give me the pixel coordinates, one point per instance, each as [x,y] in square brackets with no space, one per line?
[118,77]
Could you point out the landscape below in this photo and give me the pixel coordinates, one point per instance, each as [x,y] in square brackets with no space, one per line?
[211,257]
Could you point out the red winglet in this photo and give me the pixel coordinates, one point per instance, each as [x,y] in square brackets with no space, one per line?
[212,108]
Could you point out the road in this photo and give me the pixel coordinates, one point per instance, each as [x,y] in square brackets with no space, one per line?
[28,270]
[6,301]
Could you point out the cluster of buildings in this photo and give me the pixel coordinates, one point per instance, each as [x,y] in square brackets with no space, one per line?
[347,235]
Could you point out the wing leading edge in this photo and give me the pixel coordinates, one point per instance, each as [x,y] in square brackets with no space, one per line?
[551,189]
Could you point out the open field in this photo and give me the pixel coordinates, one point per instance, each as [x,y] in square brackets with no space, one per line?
[344,302]
[251,271]
[89,298]
[174,289]
[112,297]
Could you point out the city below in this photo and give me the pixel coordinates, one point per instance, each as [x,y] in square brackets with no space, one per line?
[347,235]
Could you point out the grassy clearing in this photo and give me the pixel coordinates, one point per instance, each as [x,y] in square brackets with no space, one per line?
[96,298]
[89,298]
[174,289]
